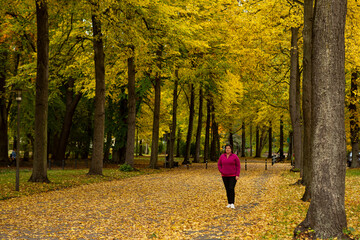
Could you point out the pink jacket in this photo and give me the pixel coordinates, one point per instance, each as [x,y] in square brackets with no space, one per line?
[229,167]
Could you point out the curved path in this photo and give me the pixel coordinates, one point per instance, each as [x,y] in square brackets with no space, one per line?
[176,204]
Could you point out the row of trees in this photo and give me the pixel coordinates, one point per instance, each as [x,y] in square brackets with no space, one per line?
[106,68]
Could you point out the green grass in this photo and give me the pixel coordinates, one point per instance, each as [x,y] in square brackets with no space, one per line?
[60,179]
[353,172]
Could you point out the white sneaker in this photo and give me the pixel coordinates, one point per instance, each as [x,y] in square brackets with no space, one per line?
[232,206]
[228,206]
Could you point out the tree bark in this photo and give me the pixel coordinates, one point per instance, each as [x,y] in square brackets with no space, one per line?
[257,140]
[140,148]
[39,173]
[207,130]
[199,127]
[156,120]
[190,126]
[3,110]
[213,151]
[281,150]
[251,132]
[270,141]
[173,125]
[326,214]
[290,149]
[354,122]
[131,120]
[71,104]
[243,139]
[231,139]
[294,98]
[262,140]
[178,143]
[107,147]
[306,98]
[97,162]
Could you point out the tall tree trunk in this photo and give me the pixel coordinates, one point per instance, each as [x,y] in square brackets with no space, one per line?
[107,147]
[306,100]
[281,150]
[213,156]
[3,109]
[207,130]
[231,139]
[326,214]
[291,144]
[243,139]
[199,127]
[178,142]
[190,126]
[270,141]
[262,140]
[97,162]
[137,142]
[294,98]
[173,125]
[71,104]
[251,143]
[39,173]
[257,150]
[156,119]
[354,122]
[131,120]
[140,148]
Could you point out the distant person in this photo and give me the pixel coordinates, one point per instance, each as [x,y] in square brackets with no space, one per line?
[12,158]
[229,167]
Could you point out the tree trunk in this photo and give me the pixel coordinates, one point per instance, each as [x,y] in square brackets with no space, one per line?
[156,119]
[137,142]
[257,150]
[281,150]
[178,143]
[199,127]
[213,155]
[207,130]
[354,122]
[99,116]
[294,98]
[251,132]
[270,141]
[131,120]
[291,144]
[173,125]
[107,147]
[326,214]
[262,140]
[306,100]
[39,173]
[190,126]
[71,104]
[3,110]
[140,148]
[243,139]
[231,139]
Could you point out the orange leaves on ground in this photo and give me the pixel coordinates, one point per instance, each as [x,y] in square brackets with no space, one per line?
[175,204]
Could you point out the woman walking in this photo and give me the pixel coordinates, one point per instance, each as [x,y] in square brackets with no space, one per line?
[229,167]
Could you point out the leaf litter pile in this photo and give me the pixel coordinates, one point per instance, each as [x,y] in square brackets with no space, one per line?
[175,204]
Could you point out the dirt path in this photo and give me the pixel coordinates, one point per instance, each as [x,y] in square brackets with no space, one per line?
[178,204]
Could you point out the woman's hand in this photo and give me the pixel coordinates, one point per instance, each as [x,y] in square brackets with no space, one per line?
[237,177]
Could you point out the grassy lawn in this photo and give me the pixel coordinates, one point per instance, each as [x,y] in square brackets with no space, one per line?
[69,177]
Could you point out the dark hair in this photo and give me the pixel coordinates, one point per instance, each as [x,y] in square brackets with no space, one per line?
[228,145]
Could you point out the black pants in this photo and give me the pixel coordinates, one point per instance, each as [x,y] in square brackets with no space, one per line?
[230,183]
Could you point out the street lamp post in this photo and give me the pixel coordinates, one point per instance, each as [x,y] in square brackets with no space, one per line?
[18,100]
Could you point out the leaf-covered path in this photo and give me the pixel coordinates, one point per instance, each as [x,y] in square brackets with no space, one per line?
[176,204]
